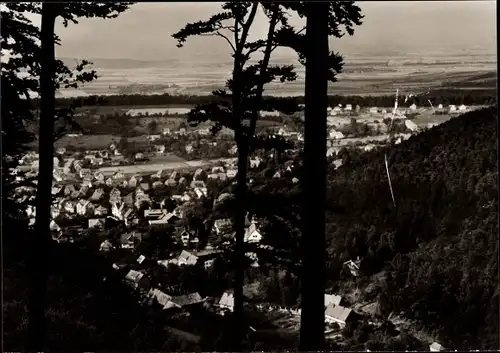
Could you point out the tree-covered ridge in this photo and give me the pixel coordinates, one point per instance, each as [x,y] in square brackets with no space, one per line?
[443,96]
[439,244]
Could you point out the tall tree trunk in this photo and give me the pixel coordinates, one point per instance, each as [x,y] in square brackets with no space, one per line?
[42,237]
[312,326]
[241,187]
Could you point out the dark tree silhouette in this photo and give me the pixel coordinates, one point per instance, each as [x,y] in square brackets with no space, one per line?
[314,184]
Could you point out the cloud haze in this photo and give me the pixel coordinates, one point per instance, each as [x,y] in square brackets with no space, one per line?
[144,32]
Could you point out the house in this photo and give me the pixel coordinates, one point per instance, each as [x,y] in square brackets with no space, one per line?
[197,184]
[462,108]
[164,218]
[184,301]
[452,109]
[157,184]
[69,207]
[118,176]
[54,211]
[166,131]
[100,211]
[252,235]
[160,297]
[277,175]
[187,259]
[98,161]
[161,174]
[213,176]
[255,162]
[97,223]
[160,149]
[106,246]
[348,107]
[332,299]
[233,150]
[199,174]
[114,192]
[97,195]
[186,197]
[413,107]
[338,314]
[117,153]
[354,266]
[154,137]
[295,180]
[436,347]
[373,110]
[227,301]
[54,227]
[99,177]
[141,199]
[182,131]
[61,150]
[222,226]
[110,182]
[133,181]
[154,214]
[170,182]
[130,240]
[82,207]
[410,125]
[68,189]
[189,148]
[231,173]
[334,134]
[136,279]
[128,200]
[144,186]
[139,156]
[89,157]
[85,173]
[58,175]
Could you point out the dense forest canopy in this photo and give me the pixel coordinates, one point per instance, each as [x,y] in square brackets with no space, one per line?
[444,96]
[439,244]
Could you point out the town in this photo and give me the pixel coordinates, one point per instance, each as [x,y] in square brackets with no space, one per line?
[153,220]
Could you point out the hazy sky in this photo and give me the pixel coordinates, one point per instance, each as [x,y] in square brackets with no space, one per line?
[144,32]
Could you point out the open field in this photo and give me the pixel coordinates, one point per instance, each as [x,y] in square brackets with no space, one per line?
[150,168]
[361,76]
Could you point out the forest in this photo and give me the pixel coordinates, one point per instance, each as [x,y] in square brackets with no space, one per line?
[438,246]
[442,96]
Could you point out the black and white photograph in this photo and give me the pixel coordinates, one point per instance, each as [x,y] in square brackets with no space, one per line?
[249,176]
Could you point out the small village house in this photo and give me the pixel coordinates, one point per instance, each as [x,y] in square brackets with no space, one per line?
[98,223]
[338,314]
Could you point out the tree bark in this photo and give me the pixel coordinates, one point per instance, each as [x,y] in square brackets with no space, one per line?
[42,236]
[312,326]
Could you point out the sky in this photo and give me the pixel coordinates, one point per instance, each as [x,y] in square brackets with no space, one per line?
[144,31]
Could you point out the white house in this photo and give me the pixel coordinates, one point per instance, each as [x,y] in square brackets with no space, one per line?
[436,347]
[335,134]
[227,301]
[462,108]
[337,314]
[332,299]
[348,107]
[413,107]
[373,110]
[410,125]
[252,235]
[97,223]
